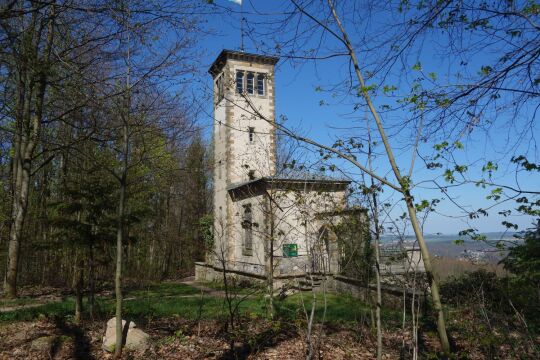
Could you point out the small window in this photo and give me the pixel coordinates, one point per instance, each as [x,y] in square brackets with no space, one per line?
[220,88]
[239,82]
[250,85]
[260,84]
[251,134]
[251,174]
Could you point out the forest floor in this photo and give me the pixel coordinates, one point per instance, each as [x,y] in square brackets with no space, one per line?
[190,321]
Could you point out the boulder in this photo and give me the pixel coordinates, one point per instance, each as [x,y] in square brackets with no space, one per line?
[136,339]
[44,343]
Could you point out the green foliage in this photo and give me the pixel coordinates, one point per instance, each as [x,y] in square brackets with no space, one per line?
[486,70]
[426,205]
[472,234]
[389,88]
[86,214]
[366,89]
[523,260]
[525,164]
[405,183]
[354,241]
[441,146]
[206,224]
[494,297]
[490,167]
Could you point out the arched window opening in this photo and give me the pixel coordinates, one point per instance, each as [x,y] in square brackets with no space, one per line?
[239,82]
[250,84]
[247,225]
[260,84]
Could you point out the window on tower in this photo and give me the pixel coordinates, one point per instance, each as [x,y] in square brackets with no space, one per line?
[260,84]
[220,88]
[251,134]
[239,82]
[250,81]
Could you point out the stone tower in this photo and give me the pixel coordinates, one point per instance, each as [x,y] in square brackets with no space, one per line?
[244,137]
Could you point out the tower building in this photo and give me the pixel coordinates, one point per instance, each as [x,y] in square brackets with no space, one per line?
[265,223]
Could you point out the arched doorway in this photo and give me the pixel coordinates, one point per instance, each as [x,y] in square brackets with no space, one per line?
[324,251]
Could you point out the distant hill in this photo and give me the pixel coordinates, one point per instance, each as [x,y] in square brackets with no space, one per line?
[491,236]
[445,246]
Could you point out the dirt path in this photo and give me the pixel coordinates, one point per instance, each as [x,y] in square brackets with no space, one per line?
[205,289]
[38,302]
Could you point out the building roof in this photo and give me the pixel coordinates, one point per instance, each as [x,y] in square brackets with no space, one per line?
[225,55]
[354,210]
[283,181]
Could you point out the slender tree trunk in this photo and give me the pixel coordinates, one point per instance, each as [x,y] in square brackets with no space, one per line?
[120,238]
[270,260]
[20,205]
[118,276]
[91,282]
[78,285]
[309,330]
[405,185]
[122,200]
[377,250]
[378,282]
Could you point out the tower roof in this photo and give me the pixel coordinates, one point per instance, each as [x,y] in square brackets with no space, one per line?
[225,55]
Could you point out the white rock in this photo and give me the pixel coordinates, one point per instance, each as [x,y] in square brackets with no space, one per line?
[136,338]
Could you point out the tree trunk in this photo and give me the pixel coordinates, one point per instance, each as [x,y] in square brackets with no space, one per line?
[377,278]
[78,284]
[119,242]
[20,205]
[28,126]
[91,282]
[377,232]
[404,183]
[270,260]
[122,200]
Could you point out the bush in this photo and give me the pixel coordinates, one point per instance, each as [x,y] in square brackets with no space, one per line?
[500,296]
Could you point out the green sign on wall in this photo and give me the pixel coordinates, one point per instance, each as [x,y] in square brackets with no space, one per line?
[290,250]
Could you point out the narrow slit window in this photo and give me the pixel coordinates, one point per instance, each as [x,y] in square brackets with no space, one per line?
[239,82]
[247,223]
[260,84]
[251,134]
[250,85]
[220,88]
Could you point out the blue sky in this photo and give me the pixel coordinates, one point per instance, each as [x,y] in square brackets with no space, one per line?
[298,100]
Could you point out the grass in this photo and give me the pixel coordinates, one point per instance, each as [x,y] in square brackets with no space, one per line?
[16,302]
[165,300]
[238,290]
[54,309]
[165,289]
[340,308]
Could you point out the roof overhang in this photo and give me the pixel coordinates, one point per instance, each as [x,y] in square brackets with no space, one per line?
[343,212]
[261,185]
[225,55]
